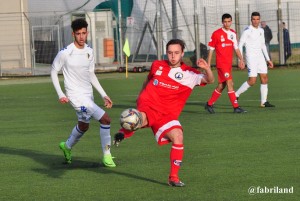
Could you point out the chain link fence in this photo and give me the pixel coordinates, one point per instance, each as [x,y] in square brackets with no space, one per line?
[30,40]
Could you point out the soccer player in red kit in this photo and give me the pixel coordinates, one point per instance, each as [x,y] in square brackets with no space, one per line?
[162,98]
[224,40]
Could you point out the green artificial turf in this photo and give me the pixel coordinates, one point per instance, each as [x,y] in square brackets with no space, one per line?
[225,153]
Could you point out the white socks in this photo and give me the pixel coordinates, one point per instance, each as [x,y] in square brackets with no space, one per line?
[74,137]
[105,138]
[263,93]
[244,87]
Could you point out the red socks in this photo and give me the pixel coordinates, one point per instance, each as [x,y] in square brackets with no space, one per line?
[216,94]
[233,99]
[214,97]
[176,156]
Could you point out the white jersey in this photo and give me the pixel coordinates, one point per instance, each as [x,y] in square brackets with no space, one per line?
[254,41]
[76,65]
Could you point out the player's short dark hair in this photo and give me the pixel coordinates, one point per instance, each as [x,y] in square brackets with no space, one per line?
[255,14]
[225,16]
[79,24]
[176,42]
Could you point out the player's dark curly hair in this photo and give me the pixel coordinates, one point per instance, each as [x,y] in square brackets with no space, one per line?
[176,42]
[226,16]
[255,14]
[79,24]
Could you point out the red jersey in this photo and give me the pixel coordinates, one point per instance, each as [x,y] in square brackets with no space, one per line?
[169,88]
[223,42]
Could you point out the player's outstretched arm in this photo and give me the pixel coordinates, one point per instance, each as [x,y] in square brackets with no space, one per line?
[209,78]
[96,84]
[107,101]
[54,77]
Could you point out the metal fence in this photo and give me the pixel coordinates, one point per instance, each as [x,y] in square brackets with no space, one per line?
[42,34]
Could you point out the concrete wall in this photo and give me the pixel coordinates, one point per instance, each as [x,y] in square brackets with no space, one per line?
[14,34]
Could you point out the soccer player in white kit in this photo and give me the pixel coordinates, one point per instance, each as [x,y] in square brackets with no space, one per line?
[77,64]
[256,56]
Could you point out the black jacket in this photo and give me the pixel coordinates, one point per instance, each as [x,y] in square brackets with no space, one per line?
[268,34]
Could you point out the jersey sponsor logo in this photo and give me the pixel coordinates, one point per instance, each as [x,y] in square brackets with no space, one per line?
[178,76]
[226,44]
[231,36]
[165,85]
[169,86]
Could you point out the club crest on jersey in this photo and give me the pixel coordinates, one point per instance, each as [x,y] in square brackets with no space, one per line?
[231,36]
[226,75]
[88,55]
[178,76]
[155,82]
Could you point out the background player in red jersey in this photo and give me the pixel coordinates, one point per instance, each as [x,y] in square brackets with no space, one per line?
[162,98]
[224,40]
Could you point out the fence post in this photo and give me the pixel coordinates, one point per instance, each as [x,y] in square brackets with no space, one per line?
[280,33]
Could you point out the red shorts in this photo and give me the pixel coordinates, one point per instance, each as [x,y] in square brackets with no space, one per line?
[224,74]
[160,123]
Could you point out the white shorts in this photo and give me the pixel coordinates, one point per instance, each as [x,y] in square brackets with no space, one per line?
[256,65]
[86,108]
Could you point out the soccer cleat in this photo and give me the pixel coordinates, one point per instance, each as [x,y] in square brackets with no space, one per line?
[209,108]
[118,138]
[175,182]
[239,110]
[108,161]
[267,104]
[66,151]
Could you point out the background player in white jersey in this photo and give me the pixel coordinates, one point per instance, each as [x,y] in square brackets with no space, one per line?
[162,98]
[77,64]
[256,56]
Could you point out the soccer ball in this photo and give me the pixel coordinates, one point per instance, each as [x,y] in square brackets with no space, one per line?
[131,119]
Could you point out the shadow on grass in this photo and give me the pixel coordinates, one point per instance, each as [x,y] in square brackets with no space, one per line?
[56,169]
